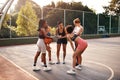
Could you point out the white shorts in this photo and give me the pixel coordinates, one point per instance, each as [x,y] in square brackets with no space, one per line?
[41,46]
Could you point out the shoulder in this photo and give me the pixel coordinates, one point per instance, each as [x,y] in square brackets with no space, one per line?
[57,28]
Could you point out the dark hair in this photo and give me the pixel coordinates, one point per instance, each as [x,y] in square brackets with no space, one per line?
[69,28]
[41,23]
[59,22]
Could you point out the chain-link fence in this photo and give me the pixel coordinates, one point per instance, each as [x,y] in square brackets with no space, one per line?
[93,23]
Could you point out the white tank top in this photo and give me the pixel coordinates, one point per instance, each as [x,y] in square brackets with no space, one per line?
[76,30]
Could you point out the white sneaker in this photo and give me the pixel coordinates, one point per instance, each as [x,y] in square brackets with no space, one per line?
[71,72]
[78,67]
[42,64]
[47,69]
[36,68]
[50,62]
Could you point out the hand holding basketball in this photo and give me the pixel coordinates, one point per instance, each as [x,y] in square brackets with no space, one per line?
[48,40]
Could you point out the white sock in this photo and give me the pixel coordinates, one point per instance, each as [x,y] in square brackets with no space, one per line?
[80,65]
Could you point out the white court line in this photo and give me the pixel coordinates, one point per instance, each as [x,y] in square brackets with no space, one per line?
[112,72]
[19,67]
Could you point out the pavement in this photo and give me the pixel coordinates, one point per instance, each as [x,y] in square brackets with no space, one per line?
[100,62]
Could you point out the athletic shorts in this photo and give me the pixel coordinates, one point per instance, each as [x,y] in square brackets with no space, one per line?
[81,44]
[41,46]
[62,41]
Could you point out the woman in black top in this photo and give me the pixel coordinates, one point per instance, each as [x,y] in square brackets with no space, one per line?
[61,35]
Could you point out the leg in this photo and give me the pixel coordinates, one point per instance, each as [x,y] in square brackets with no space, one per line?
[36,57]
[79,57]
[44,59]
[58,52]
[72,71]
[74,59]
[45,68]
[49,54]
[64,53]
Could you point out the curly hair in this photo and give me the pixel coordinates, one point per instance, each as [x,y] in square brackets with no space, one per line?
[69,28]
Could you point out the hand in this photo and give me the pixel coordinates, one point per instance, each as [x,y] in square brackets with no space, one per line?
[59,36]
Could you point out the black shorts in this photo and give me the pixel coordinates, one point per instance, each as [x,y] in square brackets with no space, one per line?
[62,41]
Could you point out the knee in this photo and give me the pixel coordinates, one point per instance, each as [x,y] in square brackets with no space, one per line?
[74,55]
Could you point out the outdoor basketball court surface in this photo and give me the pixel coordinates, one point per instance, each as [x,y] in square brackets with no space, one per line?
[101,61]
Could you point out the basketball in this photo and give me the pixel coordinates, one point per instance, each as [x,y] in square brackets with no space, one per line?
[48,40]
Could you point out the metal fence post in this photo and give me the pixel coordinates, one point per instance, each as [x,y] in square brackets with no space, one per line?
[42,12]
[110,25]
[10,26]
[97,23]
[64,17]
[83,20]
[119,24]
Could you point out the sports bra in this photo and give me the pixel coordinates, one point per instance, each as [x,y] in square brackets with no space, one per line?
[41,36]
[74,37]
[62,34]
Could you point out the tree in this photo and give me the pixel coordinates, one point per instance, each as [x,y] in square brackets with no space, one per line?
[113,8]
[27,20]
[21,3]
[54,15]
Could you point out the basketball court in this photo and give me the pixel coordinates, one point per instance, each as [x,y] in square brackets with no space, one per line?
[100,62]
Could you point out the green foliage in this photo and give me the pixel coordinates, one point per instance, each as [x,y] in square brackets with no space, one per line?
[35,6]
[13,19]
[27,21]
[4,33]
[113,8]
[6,20]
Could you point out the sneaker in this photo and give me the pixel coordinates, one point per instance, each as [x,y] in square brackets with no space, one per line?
[71,72]
[78,67]
[36,68]
[57,62]
[63,62]
[50,62]
[47,69]
[42,64]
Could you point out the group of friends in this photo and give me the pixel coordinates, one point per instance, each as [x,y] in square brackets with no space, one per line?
[64,34]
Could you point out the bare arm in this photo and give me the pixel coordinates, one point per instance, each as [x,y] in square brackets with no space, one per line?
[69,39]
[56,33]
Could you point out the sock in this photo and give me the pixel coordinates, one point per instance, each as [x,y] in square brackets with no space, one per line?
[80,65]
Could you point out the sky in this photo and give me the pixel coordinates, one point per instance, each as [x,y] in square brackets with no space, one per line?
[96,5]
